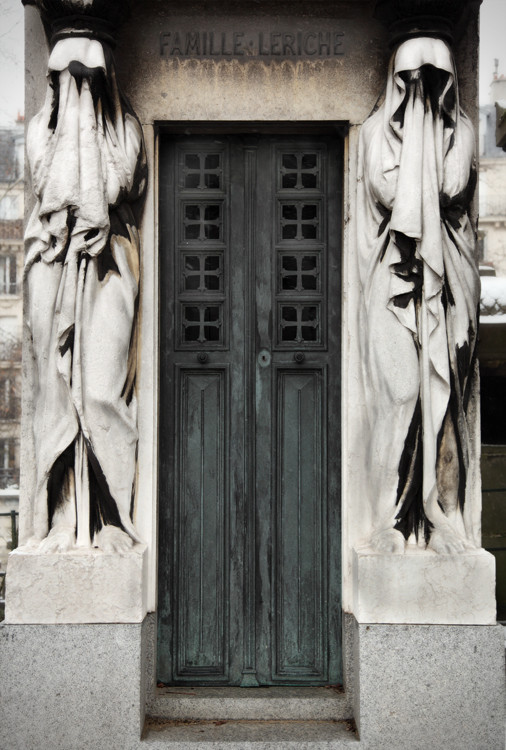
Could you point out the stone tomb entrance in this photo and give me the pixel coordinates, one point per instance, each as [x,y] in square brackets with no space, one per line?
[243,418]
[249,573]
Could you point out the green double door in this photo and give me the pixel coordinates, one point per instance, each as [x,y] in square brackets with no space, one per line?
[249,571]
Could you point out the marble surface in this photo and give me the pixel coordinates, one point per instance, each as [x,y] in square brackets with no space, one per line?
[423,587]
[88,172]
[81,586]
[416,173]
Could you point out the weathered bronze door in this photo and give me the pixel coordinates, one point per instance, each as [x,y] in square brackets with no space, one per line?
[249,572]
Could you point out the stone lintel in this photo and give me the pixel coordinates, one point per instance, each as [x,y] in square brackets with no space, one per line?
[80,586]
[422,587]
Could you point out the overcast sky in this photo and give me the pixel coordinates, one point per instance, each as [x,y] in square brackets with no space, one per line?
[11,60]
[493,45]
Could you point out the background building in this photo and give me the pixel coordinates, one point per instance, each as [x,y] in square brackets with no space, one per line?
[492,184]
[492,347]
[11,312]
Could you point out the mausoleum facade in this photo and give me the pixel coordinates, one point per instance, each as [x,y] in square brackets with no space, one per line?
[250,501]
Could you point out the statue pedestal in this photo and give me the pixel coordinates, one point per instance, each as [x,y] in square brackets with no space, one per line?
[422,587]
[429,686]
[75,623]
[80,586]
[425,644]
[72,686]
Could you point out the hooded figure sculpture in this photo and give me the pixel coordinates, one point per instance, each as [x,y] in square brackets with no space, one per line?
[420,285]
[86,155]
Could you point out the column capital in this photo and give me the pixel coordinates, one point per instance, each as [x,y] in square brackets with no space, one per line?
[445,19]
[99,18]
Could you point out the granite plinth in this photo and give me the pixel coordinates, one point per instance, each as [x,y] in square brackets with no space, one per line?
[80,586]
[423,587]
[427,687]
[69,687]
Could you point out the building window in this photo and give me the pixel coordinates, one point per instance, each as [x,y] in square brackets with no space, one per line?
[9,472]
[481,244]
[8,283]
[9,208]
[9,399]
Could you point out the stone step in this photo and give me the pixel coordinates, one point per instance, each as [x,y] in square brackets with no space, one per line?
[272,703]
[249,735]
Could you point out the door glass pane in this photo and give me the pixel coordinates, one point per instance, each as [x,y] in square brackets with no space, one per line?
[202,257]
[300,323]
[202,171]
[299,171]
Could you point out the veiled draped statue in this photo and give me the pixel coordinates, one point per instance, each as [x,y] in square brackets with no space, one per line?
[87,161]
[420,288]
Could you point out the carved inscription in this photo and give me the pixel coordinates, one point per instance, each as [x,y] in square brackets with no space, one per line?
[241,44]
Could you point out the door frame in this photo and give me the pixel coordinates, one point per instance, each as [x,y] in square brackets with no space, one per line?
[281,129]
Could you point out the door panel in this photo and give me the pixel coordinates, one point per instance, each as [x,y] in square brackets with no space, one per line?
[249,442]
[299,571]
[201,611]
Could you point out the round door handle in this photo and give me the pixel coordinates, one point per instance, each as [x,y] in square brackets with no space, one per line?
[203,357]
[299,357]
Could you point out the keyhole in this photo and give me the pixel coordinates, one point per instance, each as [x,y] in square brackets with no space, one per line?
[264,358]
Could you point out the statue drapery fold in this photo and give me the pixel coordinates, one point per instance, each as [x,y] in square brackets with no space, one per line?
[420,297]
[87,160]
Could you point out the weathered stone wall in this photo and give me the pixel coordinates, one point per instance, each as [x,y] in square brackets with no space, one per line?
[282,88]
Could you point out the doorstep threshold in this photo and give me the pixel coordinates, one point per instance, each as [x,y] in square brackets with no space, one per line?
[250,735]
[257,704]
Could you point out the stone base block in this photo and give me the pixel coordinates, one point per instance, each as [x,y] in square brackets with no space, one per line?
[421,587]
[70,687]
[427,687]
[81,586]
